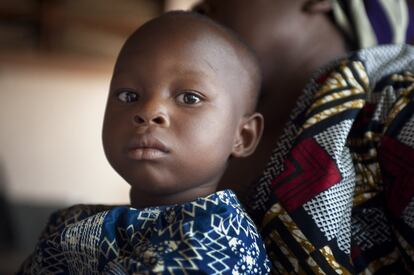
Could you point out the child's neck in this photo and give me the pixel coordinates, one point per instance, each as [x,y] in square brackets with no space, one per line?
[141,199]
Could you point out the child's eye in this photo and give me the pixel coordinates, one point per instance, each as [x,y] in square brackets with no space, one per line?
[189,98]
[127,96]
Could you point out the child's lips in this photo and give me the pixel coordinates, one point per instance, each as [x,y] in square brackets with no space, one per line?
[146,154]
[147,148]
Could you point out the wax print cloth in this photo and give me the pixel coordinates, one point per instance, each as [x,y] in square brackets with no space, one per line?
[367,23]
[337,196]
[211,235]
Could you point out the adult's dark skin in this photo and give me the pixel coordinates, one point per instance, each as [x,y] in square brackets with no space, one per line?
[292,40]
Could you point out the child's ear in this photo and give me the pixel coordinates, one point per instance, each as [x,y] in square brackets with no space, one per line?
[248,135]
[317,6]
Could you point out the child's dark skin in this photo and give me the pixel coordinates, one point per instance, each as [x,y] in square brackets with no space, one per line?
[181,103]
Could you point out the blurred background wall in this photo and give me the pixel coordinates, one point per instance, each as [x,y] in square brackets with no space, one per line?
[56,59]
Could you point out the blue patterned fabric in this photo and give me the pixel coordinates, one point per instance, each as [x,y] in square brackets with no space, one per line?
[211,235]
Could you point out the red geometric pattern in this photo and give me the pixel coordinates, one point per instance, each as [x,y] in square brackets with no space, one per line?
[397,165]
[308,171]
[299,186]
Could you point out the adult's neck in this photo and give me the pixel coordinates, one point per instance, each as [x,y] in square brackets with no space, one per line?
[284,81]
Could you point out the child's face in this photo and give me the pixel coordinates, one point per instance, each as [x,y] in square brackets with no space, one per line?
[173,112]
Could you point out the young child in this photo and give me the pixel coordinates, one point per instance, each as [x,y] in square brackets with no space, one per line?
[181,104]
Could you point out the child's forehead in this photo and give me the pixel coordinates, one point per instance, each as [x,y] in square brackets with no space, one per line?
[177,41]
[171,29]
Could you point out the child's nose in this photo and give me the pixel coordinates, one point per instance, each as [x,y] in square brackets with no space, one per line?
[152,111]
[159,119]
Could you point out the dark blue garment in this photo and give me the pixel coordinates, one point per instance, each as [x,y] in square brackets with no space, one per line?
[211,235]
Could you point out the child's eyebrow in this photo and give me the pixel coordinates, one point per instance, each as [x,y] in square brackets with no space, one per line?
[191,76]
[198,74]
